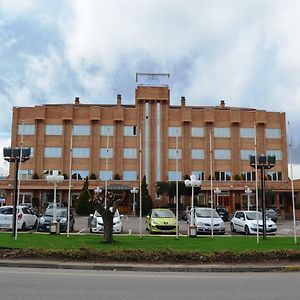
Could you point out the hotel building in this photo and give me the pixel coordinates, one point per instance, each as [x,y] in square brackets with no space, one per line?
[105,143]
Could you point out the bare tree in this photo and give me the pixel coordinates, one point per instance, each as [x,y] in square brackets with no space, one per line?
[107,214]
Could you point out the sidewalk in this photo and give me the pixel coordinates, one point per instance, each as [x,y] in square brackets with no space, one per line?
[292,267]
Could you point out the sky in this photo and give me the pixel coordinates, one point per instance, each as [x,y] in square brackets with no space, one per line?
[246,52]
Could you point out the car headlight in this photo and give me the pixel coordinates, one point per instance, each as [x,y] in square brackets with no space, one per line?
[153,222]
[63,220]
[42,220]
[200,224]
[254,225]
[222,225]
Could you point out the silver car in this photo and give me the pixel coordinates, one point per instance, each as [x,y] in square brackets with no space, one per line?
[26,218]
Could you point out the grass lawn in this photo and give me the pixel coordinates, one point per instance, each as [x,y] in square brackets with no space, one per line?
[203,244]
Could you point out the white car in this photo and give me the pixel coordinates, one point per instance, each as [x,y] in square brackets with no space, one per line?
[117,223]
[26,218]
[245,221]
[203,218]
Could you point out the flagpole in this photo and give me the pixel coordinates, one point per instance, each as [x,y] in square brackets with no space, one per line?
[140,212]
[70,182]
[292,181]
[106,168]
[177,184]
[211,186]
[256,185]
[19,180]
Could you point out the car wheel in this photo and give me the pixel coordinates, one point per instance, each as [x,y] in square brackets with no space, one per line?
[247,231]
[35,225]
[232,227]
[23,226]
[91,231]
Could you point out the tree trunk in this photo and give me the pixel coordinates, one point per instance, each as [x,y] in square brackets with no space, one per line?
[108,218]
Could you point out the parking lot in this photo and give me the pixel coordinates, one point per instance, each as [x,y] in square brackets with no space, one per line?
[130,223]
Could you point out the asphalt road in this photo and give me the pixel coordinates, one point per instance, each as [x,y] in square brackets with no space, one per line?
[44,284]
[285,228]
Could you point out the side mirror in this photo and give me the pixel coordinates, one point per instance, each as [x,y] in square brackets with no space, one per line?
[242,218]
[121,216]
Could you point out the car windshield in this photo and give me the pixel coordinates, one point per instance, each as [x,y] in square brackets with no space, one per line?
[117,214]
[162,214]
[6,210]
[59,213]
[206,213]
[251,215]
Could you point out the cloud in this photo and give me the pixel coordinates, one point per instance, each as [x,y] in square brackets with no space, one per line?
[246,52]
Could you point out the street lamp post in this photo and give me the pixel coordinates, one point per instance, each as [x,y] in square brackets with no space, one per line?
[248,191]
[134,191]
[55,178]
[192,182]
[263,162]
[217,191]
[16,155]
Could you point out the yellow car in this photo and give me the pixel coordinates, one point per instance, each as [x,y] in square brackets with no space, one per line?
[161,220]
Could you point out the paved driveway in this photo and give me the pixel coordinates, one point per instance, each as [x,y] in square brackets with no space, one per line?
[285,228]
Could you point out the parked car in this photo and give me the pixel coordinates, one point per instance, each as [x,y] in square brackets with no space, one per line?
[246,222]
[26,218]
[203,218]
[58,205]
[185,213]
[272,214]
[161,220]
[32,207]
[61,217]
[117,222]
[222,211]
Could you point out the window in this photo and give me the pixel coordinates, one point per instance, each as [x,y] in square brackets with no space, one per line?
[81,130]
[221,132]
[52,152]
[26,129]
[199,175]
[129,175]
[129,153]
[173,175]
[106,130]
[25,174]
[246,153]
[174,131]
[249,176]
[80,174]
[109,152]
[53,130]
[273,133]
[274,176]
[223,175]
[173,154]
[129,130]
[197,132]
[222,154]
[106,175]
[81,152]
[277,153]
[197,154]
[247,133]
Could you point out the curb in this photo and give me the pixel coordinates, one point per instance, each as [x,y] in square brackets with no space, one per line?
[148,267]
